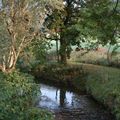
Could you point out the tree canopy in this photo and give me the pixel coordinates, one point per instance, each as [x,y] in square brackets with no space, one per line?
[21,22]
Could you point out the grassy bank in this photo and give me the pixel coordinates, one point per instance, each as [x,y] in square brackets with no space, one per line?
[103,83]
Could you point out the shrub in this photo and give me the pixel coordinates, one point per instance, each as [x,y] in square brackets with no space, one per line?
[38,114]
[17,96]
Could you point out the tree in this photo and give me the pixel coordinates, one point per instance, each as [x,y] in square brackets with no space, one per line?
[100,20]
[64,24]
[83,19]
[21,22]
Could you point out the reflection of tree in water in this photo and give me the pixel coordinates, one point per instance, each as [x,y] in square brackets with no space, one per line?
[62,97]
[75,101]
[56,96]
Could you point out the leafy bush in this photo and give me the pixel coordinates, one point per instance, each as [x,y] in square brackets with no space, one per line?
[17,96]
[38,114]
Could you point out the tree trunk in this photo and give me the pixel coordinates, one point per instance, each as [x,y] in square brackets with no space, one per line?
[9,67]
[62,97]
[63,54]
[9,62]
[57,51]
[109,57]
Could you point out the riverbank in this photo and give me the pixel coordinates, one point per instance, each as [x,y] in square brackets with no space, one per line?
[71,77]
[101,82]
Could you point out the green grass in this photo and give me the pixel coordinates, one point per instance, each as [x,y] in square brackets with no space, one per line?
[95,57]
[104,84]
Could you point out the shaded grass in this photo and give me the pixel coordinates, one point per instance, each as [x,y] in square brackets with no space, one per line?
[104,85]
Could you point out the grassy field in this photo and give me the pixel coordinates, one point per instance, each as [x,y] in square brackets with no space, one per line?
[95,57]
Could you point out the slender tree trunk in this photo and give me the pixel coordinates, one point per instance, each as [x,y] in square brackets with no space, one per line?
[63,54]
[109,56]
[8,67]
[9,61]
[57,51]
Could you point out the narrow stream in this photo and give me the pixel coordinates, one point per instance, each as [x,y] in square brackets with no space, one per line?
[67,105]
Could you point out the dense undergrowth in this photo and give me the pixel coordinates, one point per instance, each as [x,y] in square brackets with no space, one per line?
[61,75]
[18,94]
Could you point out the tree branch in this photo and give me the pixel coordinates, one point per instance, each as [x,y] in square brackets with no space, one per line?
[115,8]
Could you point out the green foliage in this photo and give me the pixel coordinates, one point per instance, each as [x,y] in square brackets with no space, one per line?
[37,114]
[100,19]
[34,55]
[95,22]
[18,93]
[61,23]
[71,35]
[63,75]
[39,49]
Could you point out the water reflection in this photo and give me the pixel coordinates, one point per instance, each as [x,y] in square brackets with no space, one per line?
[62,97]
[70,105]
[54,98]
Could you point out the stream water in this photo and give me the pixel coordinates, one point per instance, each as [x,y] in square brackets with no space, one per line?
[67,105]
